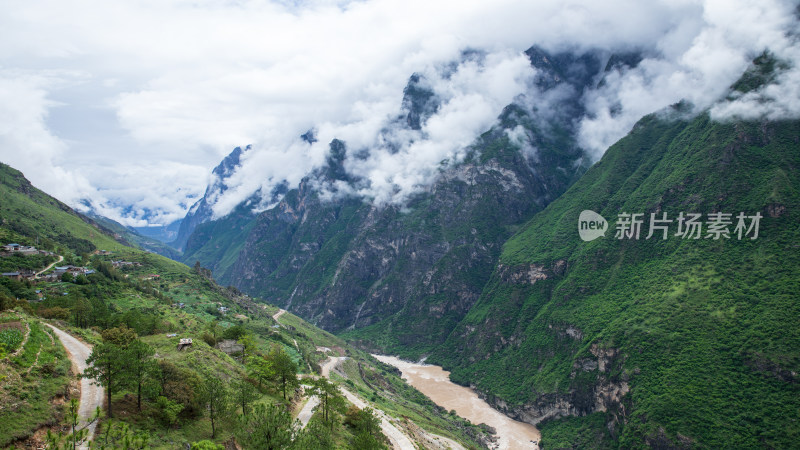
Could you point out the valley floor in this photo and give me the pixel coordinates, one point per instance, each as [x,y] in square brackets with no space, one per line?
[434,382]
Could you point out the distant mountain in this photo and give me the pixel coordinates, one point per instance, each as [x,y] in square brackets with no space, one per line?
[403,277]
[163,233]
[661,342]
[201,211]
[136,239]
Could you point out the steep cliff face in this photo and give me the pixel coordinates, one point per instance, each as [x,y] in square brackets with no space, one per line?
[349,265]
[402,277]
[201,211]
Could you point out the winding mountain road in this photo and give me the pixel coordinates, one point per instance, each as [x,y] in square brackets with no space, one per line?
[398,439]
[91,394]
[304,416]
[278,314]
[39,273]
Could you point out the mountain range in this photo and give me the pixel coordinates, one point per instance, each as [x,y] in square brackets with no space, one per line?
[645,337]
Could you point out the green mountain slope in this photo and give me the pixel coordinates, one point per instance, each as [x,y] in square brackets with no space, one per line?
[164,301]
[29,214]
[217,244]
[670,343]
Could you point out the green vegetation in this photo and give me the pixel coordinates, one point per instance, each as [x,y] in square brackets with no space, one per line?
[160,396]
[576,432]
[34,381]
[30,215]
[702,332]
[19,262]
[229,234]
[11,338]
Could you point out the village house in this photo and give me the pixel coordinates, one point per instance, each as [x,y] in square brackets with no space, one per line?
[120,263]
[59,270]
[13,275]
[20,249]
[49,277]
[184,343]
[28,274]
[28,251]
[74,270]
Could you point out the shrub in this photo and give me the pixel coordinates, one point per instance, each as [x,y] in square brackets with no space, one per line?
[206,445]
[169,410]
[55,312]
[209,339]
[235,332]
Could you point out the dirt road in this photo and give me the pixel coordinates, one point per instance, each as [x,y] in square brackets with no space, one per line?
[399,440]
[278,314]
[60,258]
[304,416]
[91,394]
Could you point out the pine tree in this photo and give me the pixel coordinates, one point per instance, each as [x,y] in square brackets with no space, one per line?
[141,365]
[285,369]
[245,393]
[216,397]
[109,361]
[268,427]
[331,399]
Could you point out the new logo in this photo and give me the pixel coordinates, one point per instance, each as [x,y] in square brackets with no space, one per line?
[591,225]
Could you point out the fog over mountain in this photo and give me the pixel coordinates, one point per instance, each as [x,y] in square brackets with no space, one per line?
[125,108]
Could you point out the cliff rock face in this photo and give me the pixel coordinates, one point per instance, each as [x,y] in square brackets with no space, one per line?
[349,264]
[201,211]
[403,276]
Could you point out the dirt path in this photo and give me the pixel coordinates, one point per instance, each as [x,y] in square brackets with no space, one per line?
[91,394]
[278,314]
[60,258]
[36,361]
[398,439]
[304,416]
[24,341]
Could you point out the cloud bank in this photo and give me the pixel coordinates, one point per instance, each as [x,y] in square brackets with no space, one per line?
[130,104]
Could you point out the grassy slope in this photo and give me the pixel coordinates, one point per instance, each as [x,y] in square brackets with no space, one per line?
[706,330]
[36,381]
[27,212]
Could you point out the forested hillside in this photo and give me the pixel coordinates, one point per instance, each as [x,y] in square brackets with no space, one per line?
[182,359]
[676,340]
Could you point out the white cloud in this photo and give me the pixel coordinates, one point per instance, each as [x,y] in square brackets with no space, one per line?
[701,70]
[132,103]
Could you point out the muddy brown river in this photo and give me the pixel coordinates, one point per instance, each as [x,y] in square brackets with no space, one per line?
[434,382]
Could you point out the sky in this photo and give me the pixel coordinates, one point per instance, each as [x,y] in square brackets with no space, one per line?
[127,106]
